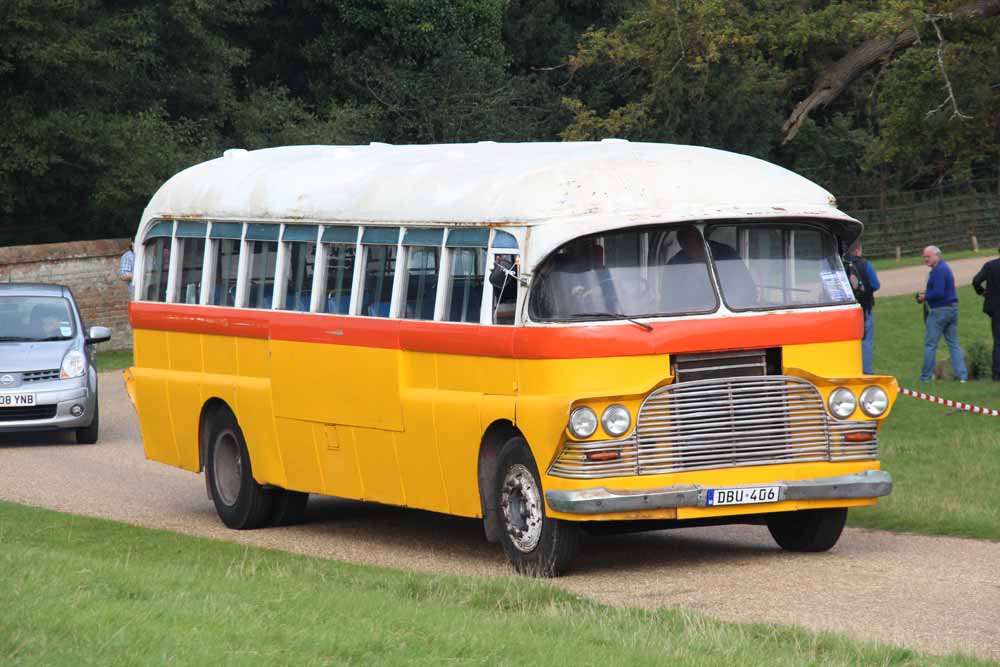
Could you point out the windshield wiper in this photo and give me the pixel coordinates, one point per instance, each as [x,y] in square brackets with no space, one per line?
[15,339]
[51,338]
[616,316]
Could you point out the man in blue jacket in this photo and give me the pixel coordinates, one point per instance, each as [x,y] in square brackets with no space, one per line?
[942,298]
[864,282]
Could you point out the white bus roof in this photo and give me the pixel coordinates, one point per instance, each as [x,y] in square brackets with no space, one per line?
[593,185]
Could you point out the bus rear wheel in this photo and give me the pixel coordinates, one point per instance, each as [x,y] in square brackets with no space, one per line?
[534,543]
[239,500]
[288,507]
[807,530]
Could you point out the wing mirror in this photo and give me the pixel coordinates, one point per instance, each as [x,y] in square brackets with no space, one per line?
[98,335]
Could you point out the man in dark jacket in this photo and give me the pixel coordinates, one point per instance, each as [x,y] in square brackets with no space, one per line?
[990,274]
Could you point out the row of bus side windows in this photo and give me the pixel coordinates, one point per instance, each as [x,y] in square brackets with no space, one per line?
[216,262]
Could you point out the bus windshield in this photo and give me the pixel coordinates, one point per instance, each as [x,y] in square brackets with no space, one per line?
[777,266]
[672,270]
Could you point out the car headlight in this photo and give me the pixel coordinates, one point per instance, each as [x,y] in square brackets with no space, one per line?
[616,420]
[874,401]
[74,364]
[582,422]
[842,402]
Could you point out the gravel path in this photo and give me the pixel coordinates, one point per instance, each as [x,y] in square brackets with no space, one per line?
[912,279]
[939,595]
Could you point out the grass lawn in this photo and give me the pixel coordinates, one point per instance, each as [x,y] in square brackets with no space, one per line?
[87,591]
[944,463]
[113,359]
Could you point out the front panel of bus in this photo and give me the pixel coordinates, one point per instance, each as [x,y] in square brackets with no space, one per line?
[699,371]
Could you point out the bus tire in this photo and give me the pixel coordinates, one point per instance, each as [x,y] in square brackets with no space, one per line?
[288,507]
[239,500]
[535,544]
[807,530]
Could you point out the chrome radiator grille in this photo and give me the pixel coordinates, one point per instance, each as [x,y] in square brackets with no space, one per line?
[723,423]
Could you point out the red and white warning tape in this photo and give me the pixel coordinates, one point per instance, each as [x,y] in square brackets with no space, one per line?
[951,404]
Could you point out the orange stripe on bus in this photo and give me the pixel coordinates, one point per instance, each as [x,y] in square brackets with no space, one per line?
[563,342]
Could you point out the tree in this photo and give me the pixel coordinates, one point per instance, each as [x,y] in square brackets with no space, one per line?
[102,102]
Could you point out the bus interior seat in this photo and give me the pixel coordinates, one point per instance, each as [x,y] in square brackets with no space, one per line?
[338,304]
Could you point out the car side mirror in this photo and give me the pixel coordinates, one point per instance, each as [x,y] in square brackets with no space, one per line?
[503,273]
[98,335]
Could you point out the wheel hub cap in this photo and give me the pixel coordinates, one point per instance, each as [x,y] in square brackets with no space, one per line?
[228,468]
[521,504]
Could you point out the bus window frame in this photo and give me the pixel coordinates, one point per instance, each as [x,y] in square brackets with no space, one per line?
[486,307]
[174,268]
[283,264]
[210,267]
[361,264]
[320,272]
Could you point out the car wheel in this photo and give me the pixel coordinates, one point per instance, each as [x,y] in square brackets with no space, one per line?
[807,530]
[239,500]
[535,544]
[88,434]
[288,507]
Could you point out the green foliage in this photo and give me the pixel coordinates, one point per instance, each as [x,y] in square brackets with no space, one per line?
[685,72]
[103,101]
[979,359]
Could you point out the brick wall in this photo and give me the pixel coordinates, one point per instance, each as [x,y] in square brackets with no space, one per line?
[89,268]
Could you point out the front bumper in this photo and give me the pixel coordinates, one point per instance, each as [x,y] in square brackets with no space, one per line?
[63,394]
[867,484]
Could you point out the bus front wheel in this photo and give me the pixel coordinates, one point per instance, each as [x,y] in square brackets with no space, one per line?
[534,543]
[807,530]
[239,500]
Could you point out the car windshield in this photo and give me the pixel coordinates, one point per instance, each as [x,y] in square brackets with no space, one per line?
[35,318]
[668,270]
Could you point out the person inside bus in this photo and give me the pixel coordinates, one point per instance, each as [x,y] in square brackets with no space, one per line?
[687,284]
[573,281]
[738,286]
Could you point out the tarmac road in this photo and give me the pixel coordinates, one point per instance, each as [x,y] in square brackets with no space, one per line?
[934,594]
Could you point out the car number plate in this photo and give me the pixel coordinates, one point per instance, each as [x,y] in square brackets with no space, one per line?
[16,400]
[743,495]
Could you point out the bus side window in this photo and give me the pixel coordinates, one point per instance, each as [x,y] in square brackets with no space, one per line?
[156,265]
[192,257]
[226,263]
[422,264]
[301,262]
[340,260]
[467,275]
[263,258]
[505,298]
[380,267]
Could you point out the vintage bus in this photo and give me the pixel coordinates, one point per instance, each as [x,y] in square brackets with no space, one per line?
[552,337]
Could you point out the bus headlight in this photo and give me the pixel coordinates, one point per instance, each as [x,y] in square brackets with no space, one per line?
[73,365]
[874,401]
[842,402]
[616,420]
[582,422]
